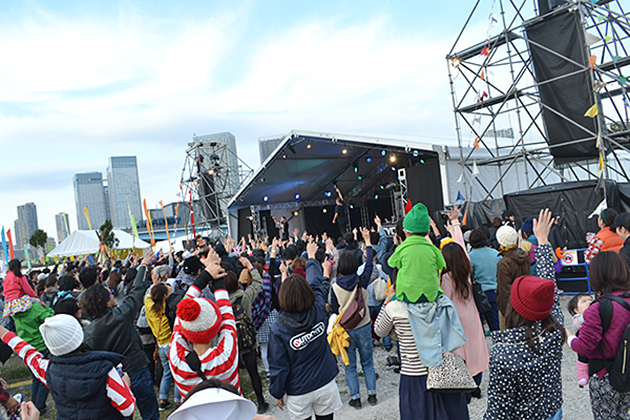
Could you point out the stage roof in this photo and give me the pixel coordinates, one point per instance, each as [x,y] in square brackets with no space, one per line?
[311,164]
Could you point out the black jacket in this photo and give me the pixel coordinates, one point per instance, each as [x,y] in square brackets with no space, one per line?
[115,331]
[78,385]
[625,251]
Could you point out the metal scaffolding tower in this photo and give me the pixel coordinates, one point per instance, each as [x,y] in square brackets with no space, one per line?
[497,102]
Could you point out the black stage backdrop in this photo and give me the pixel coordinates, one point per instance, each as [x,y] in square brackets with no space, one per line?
[570,96]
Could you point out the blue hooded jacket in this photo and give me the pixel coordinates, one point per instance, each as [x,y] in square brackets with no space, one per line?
[300,359]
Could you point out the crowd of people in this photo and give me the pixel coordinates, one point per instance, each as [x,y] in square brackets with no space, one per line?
[101,337]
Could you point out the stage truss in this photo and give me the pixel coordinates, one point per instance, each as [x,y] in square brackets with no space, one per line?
[211,175]
[497,105]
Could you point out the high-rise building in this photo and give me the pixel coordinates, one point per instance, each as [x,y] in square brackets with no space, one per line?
[50,245]
[266,146]
[63,226]
[123,186]
[16,231]
[27,221]
[88,192]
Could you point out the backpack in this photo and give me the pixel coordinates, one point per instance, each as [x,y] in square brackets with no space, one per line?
[245,329]
[355,312]
[171,302]
[619,367]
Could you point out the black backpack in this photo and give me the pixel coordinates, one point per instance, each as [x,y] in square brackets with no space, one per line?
[172,300]
[619,367]
[245,329]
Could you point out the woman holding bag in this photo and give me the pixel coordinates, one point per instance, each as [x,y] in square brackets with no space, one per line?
[348,284]
[158,322]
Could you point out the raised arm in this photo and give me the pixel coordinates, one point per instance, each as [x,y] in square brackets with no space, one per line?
[120,394]
[544,257]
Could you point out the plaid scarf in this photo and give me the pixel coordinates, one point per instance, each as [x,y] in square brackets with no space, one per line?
[261,307]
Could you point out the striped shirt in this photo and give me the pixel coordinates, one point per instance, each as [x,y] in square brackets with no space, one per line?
[393,316]
[220,362]
[118,392]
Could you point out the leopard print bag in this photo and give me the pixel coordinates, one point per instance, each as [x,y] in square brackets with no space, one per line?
[451,376]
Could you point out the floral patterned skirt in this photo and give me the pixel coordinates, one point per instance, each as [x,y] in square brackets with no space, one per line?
[18,305]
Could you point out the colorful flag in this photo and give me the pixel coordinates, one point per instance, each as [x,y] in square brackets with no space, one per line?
[4,247]
[408,206]
[592,59]
[460,196]
[601,162]
[465,219]
[148,222]
[600,208]
[28,259]
[592,111]
[11,250]
[65,221]
[485,51]
[476,143]
[87,217]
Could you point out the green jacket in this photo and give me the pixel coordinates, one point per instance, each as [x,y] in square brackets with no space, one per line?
[419,263]
[27,325]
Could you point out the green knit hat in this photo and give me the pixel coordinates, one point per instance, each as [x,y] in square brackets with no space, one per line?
[417,220]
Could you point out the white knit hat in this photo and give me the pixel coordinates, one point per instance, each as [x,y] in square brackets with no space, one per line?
[199,318]
[507,236]
[62,334]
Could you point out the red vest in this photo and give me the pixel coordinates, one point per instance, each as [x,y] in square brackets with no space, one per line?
[611,241]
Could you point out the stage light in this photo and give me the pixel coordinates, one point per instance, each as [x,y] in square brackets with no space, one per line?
[297,196]
[324,211]
[284,156]
[328,194]
[309,145]
[351,206]
[266,198]
[360,177]
[295,213]
[356,168]
[211,172]
[376,197]
[382,187]
[393,169]
[415,153]
[344,151]
[262,179]
[392,158]
[251,218]
[383,152]
[422,161]
[368,159]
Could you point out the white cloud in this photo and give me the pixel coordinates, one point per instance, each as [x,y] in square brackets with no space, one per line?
[139,86]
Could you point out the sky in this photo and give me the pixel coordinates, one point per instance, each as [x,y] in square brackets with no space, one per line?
[82,81]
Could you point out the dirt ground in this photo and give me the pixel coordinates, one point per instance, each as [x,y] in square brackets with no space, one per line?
[576,404]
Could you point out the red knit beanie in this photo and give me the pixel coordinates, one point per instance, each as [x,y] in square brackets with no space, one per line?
[299,271]
[199,318]
[532,297]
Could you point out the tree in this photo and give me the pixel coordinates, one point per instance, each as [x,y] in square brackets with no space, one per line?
[106,237]
[39,239]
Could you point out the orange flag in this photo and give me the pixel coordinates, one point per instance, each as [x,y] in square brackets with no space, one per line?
[483,75]
[148,221]
[465,218]
[11,250]
[592,60]
[476,143]
[485,51]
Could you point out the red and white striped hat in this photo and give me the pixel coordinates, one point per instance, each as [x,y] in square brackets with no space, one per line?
[199,318]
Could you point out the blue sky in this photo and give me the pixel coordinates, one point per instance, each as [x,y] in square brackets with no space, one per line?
[81,81]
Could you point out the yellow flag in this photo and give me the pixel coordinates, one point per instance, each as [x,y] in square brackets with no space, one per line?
[601,162]
[592,111]
[87,217]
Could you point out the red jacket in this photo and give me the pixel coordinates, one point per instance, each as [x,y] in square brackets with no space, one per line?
[611,241]
[15,287]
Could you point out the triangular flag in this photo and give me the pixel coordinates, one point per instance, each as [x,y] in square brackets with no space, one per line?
[601,18]
[600,141]
[408,206]
[592,59]
[465,218]
[616,58]
[623,80]
[476,143]
[601,207]
[460,197]
[485,51]
[592,112]
[591,39]
[483,96]
[460,179]
[483,75]
[475,170]
[601,162]
[608,38]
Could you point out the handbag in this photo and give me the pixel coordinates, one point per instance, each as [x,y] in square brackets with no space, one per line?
[355,312]
[451,376]
[481,299]
[156,352]
[380,289]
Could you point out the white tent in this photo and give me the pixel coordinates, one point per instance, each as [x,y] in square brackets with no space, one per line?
[83,242]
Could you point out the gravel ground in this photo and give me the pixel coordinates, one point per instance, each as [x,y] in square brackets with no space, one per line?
[576,401]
